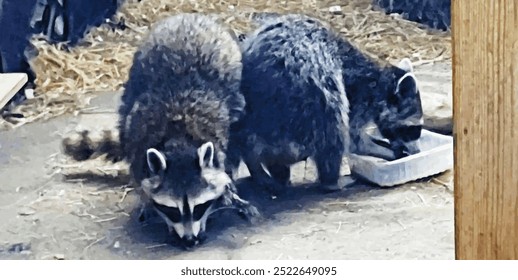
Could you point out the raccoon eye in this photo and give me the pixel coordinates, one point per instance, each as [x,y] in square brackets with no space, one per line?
[199,210]
[171,212]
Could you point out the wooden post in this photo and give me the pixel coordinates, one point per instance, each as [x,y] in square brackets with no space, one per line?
[485,113]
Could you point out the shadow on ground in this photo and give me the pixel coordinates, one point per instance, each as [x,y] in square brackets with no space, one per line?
[150,228]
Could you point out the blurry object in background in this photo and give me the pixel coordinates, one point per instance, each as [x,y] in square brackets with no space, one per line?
[433,13]
[57,20]
[101,62]
[15,33]
[10,84]
[68,20]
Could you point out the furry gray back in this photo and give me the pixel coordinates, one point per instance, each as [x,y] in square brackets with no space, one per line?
[290,73]
[295,95]
[183,89]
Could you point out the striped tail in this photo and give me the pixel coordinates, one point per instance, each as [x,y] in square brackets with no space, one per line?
[81,147]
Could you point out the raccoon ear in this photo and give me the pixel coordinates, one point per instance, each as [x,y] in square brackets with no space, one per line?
[155,160]
[407,85]
[406,64]
[206,155]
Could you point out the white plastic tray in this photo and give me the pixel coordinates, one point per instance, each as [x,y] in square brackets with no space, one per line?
[436,156]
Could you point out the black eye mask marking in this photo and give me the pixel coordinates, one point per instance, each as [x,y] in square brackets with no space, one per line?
[171,212]
[199,210]
[409,133]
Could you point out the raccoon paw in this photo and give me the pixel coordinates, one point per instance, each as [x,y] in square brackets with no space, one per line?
[278,189]
[142,217]
[342,183]
[145,213]
[272,186]
[245,209]
[249,213]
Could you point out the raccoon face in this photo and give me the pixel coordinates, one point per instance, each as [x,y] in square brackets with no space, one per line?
[401,119]
[185,198]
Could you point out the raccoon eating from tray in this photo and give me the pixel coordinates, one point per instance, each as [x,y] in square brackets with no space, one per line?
[310,93]
[181,97]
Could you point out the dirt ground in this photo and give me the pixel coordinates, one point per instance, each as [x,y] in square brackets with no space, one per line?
[52,208]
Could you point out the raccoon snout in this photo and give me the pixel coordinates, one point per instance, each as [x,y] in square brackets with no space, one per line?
[190,241]
[402,153]
[407,150]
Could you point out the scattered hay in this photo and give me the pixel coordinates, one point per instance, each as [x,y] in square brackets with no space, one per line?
[66,79]
[99,169]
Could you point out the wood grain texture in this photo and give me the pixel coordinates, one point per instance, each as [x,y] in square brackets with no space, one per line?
[485,109]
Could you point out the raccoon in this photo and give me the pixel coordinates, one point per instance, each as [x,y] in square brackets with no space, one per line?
[181,97]
[386,118]
[308,93]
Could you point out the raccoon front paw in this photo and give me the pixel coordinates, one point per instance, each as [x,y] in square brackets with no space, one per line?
[278,190]
[145,213]
[249,213]
[342,183]
[271,186]
[245,209]
[142,217]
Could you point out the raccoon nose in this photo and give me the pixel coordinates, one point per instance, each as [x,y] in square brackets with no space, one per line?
[189,241]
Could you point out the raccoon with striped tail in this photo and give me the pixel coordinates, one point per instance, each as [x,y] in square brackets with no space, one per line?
[310,94]
[181,97]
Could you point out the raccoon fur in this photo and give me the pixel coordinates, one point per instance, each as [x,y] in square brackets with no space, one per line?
[181,97]
[308,93]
